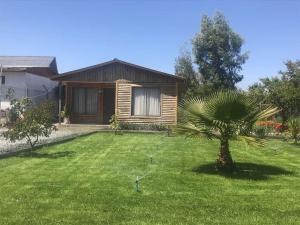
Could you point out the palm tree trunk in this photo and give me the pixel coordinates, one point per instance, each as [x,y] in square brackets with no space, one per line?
[224,162]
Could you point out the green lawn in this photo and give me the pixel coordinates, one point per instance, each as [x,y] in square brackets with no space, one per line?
[90,180]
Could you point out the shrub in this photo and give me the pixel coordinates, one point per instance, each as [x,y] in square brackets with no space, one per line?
[260,131]
[34,123]
[279,127]
[150,126]
[66,112]
[17,106]
[114,123]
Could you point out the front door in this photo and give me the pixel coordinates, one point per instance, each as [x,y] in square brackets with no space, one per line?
[108,104]
[87,105]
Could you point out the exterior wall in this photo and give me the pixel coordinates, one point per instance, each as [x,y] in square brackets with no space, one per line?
[26,84]
[125,77]
[41,83]
[168,103]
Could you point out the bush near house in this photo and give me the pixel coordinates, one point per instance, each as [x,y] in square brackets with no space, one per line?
[150,126]
[294,128]
[32,124]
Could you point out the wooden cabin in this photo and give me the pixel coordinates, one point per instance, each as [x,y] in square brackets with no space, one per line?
[134,93]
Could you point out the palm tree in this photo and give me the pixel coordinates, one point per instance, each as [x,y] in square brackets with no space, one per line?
[225,115]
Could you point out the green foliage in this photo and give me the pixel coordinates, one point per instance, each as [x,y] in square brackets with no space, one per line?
[283,91]
[184,68]
[66,112]
[149,126]
[18,106]
[35,122]
[225,115]
[217,51]
[260,131]
[294,128]
[114,123]
[85,180]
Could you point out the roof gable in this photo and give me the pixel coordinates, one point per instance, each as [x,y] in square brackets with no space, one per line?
[116,61]
[12,63]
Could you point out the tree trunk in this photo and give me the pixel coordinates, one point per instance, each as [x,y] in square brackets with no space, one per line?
[224,162]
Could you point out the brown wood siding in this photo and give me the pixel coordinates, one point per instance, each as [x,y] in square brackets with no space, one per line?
[123,78]
[168,103]
[117,71]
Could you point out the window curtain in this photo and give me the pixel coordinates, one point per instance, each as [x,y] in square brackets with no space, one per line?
[91,100]
[153,102]
[79,100]
[85,100]
[146,101]
[140,99]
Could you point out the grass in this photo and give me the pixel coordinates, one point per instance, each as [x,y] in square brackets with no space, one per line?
[90,180]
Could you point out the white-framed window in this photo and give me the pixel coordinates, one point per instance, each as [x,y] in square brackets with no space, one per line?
[146,101]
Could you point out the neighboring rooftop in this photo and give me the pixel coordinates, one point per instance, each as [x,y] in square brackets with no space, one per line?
[45,64]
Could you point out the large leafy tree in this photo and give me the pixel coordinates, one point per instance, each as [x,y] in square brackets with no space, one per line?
[217,52]
[225,115]
[184,68]
[282,91]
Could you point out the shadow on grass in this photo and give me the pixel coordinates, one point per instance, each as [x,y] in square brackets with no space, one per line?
[250,171]
[54,155]
[295,144]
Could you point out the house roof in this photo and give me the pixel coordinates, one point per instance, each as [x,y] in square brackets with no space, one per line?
[19,63]
[115,60]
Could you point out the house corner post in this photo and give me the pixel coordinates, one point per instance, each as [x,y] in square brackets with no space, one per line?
[59,102]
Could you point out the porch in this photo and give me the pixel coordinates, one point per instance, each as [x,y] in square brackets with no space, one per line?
[90,103]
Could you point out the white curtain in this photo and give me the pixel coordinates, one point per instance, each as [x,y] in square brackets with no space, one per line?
[146,101]
[140,98]
[153,101]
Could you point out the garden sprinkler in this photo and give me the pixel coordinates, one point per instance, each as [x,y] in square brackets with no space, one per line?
[137,185]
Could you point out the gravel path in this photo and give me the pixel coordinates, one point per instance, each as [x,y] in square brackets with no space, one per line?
[61,134]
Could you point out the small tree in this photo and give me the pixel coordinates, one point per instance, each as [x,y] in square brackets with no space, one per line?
[18,106]
[294,127]
[36,122]
[225,115]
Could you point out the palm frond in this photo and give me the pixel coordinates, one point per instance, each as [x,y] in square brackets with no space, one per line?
[252,141]
[229,112]
[191,130]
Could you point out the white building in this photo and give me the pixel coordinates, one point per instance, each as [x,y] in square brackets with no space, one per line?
[28,76]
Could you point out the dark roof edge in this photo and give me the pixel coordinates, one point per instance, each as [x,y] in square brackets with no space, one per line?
[117,61]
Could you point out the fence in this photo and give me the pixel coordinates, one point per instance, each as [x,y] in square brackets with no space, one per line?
[36,96]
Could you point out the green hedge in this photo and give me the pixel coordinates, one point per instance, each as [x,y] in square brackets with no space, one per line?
[150,126]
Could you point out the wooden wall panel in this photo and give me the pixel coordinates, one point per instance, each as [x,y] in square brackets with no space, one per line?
[168,103]
[117,71]
[123,77]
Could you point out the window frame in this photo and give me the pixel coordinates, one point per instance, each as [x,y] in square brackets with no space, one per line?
[132,102]
[85,102]
[3,80]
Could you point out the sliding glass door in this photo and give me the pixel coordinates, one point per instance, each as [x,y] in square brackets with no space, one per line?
[85,101]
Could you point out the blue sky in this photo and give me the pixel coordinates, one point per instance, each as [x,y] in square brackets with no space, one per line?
[148,33]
